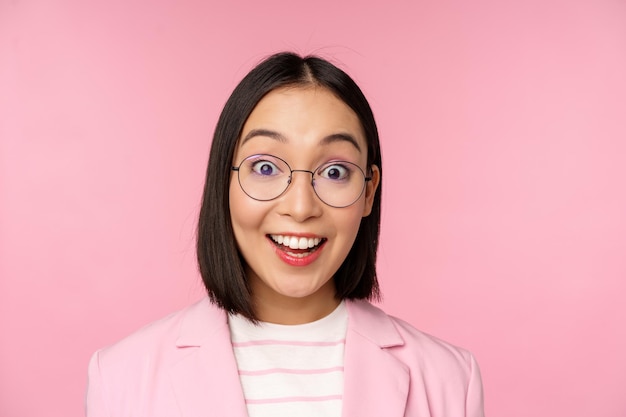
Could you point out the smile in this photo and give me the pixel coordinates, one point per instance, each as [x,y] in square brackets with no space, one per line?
[297,246]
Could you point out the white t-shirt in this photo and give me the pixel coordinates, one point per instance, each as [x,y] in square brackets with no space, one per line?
[291,370]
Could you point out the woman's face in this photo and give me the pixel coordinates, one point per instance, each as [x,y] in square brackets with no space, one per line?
[291,281]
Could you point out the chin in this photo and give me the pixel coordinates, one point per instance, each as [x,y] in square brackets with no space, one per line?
[297,292]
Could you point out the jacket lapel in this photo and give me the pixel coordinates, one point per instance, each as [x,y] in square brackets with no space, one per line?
[206,381]
[375,382]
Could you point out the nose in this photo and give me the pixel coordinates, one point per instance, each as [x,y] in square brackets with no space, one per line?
[300,201]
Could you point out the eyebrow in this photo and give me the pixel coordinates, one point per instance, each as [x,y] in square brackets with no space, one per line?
[335,137]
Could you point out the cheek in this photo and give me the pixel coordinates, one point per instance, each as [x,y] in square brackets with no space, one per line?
[232,194]
[246,214]
[237,206]
[233,204]
[352,221]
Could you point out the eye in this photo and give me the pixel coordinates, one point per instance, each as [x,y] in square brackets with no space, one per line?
[335,172]
[265,168]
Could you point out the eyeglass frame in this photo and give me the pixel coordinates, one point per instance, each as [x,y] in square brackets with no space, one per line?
[366,179]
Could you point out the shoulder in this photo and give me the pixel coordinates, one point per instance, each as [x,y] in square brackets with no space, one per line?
[444,379]
[427,342]
[415,348]
[163,336]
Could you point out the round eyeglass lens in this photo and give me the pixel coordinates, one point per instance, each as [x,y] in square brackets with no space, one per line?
[264,177]
[339,183]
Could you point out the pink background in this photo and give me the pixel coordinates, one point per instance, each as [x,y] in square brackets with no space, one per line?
[503,126]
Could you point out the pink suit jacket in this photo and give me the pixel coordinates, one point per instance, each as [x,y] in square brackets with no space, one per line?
[183,365]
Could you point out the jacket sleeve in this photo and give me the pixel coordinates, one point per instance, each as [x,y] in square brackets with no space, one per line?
[474,405]
[95,404]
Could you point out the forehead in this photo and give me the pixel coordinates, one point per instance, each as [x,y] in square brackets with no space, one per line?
[303,114]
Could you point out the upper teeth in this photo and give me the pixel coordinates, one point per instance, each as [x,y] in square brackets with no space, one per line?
[294,242]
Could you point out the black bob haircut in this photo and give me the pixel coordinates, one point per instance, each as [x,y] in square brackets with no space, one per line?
[221,265]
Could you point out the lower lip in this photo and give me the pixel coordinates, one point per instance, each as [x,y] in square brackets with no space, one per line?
[294,261]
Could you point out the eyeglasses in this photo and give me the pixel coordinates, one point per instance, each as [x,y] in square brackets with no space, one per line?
[266,177]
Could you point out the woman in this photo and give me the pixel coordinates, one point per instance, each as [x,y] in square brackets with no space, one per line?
[287,241]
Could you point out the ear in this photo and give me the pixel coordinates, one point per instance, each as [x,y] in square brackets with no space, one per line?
[370,190]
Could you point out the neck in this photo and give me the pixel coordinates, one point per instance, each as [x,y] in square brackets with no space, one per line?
[273,308]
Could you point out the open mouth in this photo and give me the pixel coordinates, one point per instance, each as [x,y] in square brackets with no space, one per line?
[296,246]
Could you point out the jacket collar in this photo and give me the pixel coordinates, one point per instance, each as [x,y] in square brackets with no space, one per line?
[373,324]
[200,323]
[206,381]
